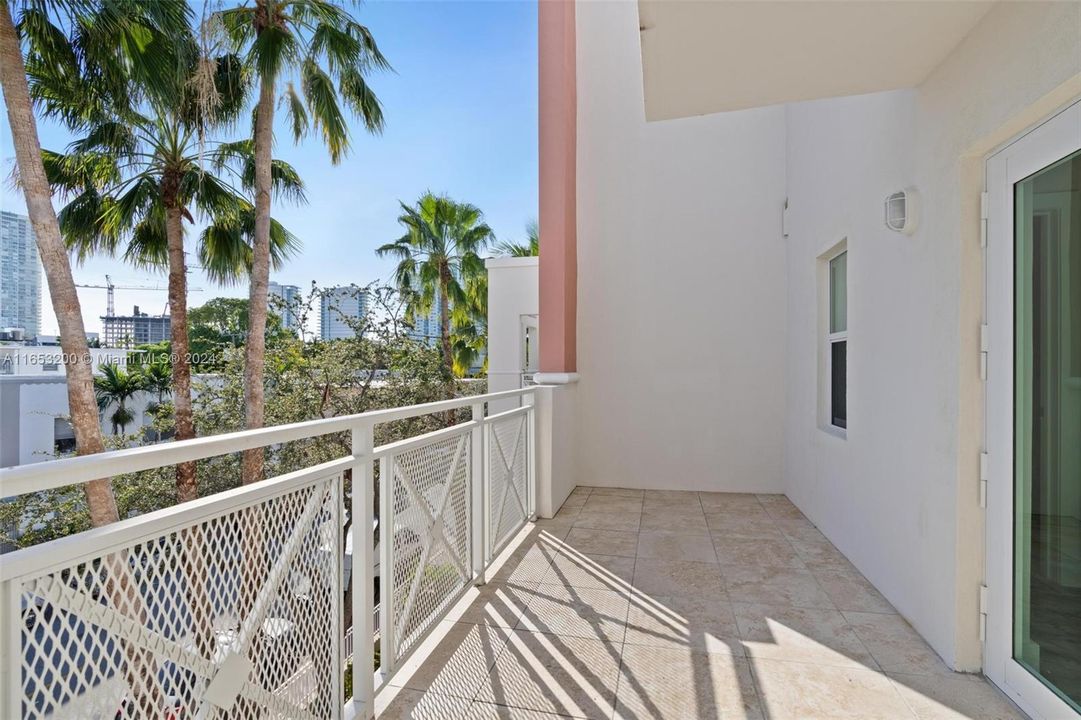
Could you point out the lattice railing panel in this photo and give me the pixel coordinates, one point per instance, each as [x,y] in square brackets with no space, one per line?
[508,485]
[237,608]
[430,517]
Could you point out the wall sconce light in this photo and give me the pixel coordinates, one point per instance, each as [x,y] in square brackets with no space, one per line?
[902,211]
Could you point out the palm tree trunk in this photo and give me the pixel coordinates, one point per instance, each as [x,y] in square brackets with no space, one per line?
[54,258]
[100,500]
[450,417]
[255,348]
[444,319]
[187,487]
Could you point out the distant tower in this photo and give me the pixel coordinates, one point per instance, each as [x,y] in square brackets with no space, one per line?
[20,275]
[338,304]
[290,297]
[127,331]
[426,328]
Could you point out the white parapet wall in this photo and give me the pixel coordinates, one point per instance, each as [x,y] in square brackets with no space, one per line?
[514,304]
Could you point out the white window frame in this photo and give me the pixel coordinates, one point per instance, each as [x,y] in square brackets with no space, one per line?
[827,339]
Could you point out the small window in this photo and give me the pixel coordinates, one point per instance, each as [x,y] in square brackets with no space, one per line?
[63,436]
[50,367]
[837,339]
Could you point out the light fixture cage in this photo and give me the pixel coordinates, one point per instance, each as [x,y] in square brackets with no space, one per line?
[902,211]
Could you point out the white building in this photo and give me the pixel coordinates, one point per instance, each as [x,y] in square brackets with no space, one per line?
[513,322]
[289,297]
[20,275]
[427,328]
[339,310]
[24,360]
[34,402]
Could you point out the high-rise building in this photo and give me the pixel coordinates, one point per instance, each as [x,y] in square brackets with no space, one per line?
[289,295]
[127,331]
[339,307]
[20,275]
[426,328]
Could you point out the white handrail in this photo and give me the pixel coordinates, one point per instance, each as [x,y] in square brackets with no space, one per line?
[524,410]
[105,539]
[35,477]
[46,564]
[401,446]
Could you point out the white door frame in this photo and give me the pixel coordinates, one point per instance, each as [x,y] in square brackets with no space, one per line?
[1042,146]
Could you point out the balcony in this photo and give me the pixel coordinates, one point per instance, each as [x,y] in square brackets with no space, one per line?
[627,603]
[664,604]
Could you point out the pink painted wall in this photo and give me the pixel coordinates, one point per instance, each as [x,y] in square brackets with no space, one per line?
[558,218]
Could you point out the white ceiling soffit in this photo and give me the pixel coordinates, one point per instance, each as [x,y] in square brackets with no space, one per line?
[709,56]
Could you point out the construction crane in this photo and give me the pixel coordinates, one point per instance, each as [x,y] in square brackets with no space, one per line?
[111,287]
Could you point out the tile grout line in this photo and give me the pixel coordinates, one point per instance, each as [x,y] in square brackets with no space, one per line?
[814,576]
[632,593]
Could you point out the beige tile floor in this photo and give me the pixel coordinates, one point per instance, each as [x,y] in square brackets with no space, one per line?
[639,604]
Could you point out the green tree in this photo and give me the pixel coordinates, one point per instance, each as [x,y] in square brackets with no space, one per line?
[380,367]
[439,266]
[529,248]
[114,388]
[136,178]
[224,321]
[143,355]
[157,378]
[104,53]
[323,46]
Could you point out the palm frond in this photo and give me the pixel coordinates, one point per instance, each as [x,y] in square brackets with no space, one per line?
[326,115]
[360,98]
[295,112]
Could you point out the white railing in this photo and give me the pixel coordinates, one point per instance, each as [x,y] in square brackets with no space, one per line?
[235,601]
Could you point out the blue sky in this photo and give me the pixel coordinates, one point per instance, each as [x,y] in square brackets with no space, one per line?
[461,112]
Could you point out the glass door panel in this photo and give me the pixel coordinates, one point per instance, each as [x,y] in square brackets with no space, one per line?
[1047,427]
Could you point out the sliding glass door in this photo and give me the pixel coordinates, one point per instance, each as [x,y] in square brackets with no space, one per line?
[1047,427]
[1032,604]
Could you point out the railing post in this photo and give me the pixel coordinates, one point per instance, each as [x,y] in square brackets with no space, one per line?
[363,572]
[387,642]
[479,477]
[530,401]
[11,649]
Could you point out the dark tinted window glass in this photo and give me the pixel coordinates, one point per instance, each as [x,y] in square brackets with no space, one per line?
[838,389]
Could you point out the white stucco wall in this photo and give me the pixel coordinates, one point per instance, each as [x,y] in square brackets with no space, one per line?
[40,405]
[512,293]
[899,496]
[681,272]
[698,324]
[30,406]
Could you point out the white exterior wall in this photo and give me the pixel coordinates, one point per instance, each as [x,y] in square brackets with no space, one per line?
[513,291]
[899,496]
[32,359]
[681,277]
[698,325]
[29,407]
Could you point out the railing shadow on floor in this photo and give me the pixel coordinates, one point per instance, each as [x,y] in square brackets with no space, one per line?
[556,597]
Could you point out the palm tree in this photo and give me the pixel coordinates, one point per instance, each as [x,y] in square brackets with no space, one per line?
[439,264]
[138,178]
[157,378]
[85,42]
[329,52]
[116,386]
[530,248]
